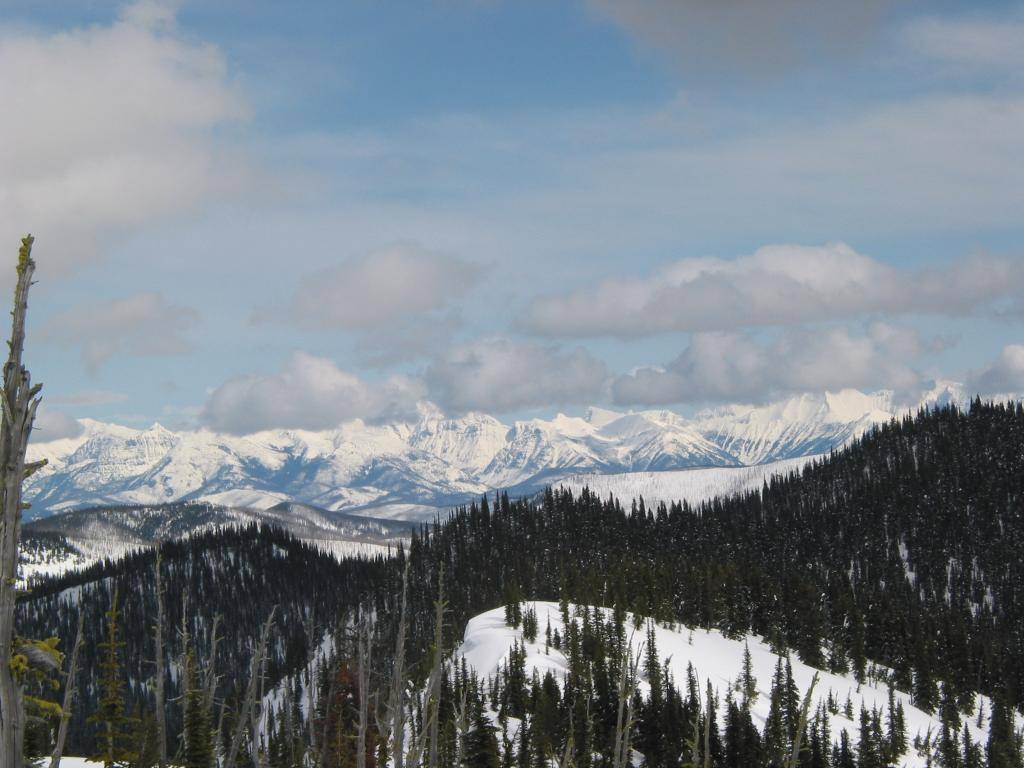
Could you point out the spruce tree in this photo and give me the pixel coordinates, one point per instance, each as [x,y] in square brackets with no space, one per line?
[480,749]
[114,737]
[1002,751]
[198,746]
[949,755]
[776,739]
[748,682]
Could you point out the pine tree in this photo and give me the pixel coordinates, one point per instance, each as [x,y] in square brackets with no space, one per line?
[790,702]
[868,755]
[1002,751]
[842,754]
[198,746]
[748,682]
[949,755]
[895,728]
[972,750]
[776,740]
[114,738]
[481,744]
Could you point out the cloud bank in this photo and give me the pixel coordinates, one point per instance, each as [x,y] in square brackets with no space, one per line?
[142,325]
[1004,375]
[308,392]
[381,289]
[498,374]
[109,128]
[778,285]
[720,367]
[53,425]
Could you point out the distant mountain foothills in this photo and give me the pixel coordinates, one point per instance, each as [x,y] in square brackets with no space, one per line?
[417,470]
[78,538]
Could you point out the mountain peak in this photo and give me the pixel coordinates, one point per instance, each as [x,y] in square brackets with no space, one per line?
[439,461]
[599,417]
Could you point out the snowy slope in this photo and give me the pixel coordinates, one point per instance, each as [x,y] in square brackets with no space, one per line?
[487,641]
[422,468]
[690,485]
[804,425]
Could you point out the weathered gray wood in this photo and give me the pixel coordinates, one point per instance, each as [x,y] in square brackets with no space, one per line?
[211,677]
[70,689]
[396,702]
[252,691]
[624,721]
[160,703]
[18,402]
[364,653]
[805,708]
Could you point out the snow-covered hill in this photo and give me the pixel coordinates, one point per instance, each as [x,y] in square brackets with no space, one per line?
[76,539]
[415,470]
[488,640]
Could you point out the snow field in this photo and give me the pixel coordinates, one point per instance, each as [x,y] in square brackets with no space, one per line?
[690,485]
[487,641]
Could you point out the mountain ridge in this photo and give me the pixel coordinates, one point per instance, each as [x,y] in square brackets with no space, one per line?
[414,470]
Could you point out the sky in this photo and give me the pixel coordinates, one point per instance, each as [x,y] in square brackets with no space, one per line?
[256,215]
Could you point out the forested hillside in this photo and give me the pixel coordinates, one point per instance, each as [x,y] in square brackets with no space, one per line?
[902,549]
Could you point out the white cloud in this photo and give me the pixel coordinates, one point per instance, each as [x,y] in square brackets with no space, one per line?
[777,285]
[1003,376]
[307,393]
[498,374]
[140,325]
[381,289]
[723,367]
[53,425]
[107,128]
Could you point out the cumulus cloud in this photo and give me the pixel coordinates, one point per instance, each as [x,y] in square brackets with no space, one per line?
[747,35]
[108,128]
[141,325]
[777,285]
[53,425]
[1003,376]
[381,289]
[723,367]
[308,392]
[498,375]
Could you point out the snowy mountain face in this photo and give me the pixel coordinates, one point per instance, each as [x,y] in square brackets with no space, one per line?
[415,471]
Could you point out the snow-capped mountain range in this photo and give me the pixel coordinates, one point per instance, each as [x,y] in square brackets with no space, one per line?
[414,470]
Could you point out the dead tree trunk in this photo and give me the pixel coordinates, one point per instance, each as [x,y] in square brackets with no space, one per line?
[211,677]
[426,741]
[628,670]
[794,756]
[70,689]
[437,672]
[364,651]
[396,700]
[159,703]
[19,403]
[259,658]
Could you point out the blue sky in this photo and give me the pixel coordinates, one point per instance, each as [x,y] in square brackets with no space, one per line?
[260,215]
